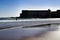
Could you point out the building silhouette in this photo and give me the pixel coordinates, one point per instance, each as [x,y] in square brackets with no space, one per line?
[40,14]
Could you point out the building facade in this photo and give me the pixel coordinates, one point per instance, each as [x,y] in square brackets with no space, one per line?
[40,14]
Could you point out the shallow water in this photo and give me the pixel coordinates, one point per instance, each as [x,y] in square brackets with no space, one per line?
[50,35]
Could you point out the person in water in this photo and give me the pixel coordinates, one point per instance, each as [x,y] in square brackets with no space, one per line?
[16,18]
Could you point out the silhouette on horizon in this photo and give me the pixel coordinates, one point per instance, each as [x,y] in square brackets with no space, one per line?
[40,14]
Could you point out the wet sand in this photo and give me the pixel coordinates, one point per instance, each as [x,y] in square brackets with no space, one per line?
[50,35]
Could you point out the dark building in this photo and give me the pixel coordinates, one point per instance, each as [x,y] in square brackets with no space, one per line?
[35,14]
[40,14]
[55,14]
[58,13]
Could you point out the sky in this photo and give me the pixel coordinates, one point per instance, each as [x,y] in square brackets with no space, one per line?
[13,8]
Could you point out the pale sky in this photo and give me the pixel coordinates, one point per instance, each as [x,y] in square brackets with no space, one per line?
[13,8]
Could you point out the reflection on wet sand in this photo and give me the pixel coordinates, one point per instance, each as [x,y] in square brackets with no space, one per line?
[50,35]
